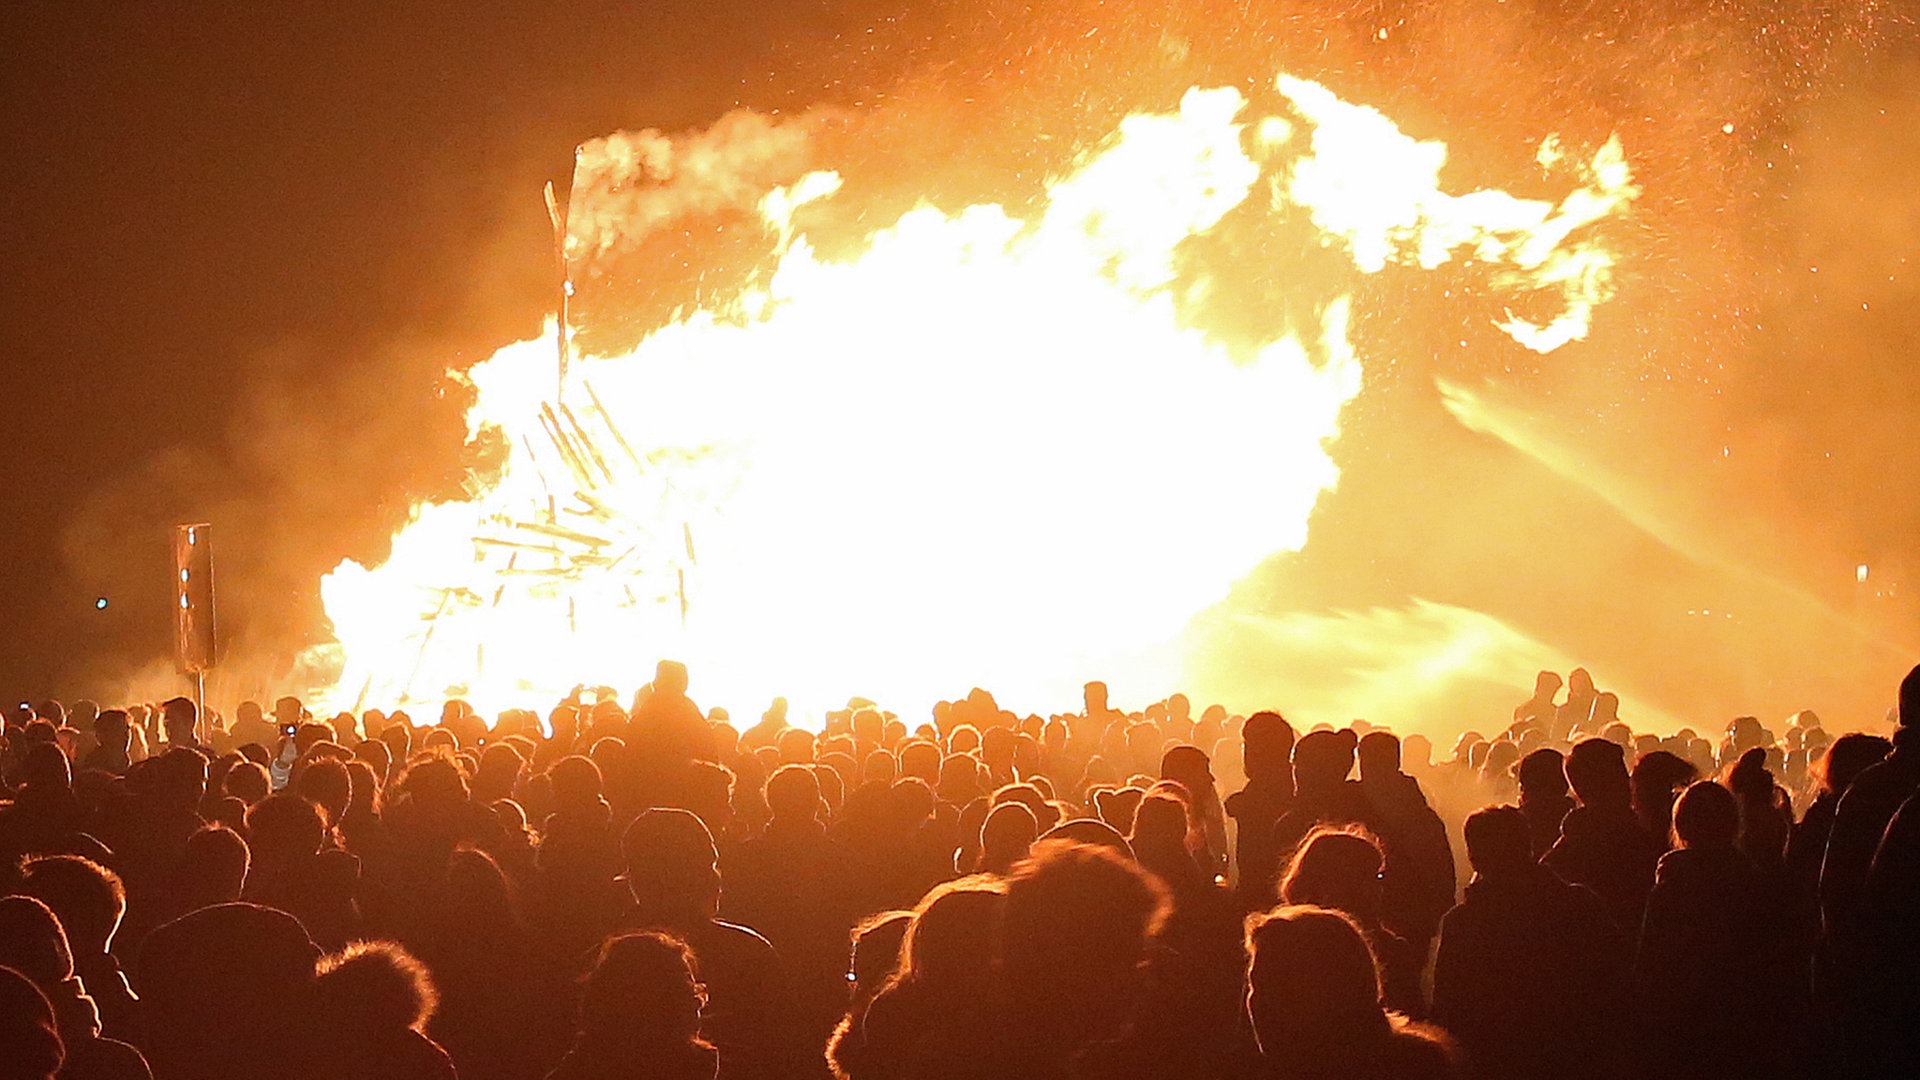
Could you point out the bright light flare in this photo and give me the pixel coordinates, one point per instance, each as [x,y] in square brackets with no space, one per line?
[983,450]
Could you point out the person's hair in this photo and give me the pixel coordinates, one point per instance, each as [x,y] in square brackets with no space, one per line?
[248,781]
[32,942]
[1597,769]
[645,988]
[1849,756]
[949,940]
[793,791]
[878,942]
[285,824]
[1707,816]
[379,985]
[1380,747]
[214,867]
[1542,772]
[1498,839]
[1077,918]
[1336,868]
[326,783]
[1310,969]
[88,898]
[28,1028]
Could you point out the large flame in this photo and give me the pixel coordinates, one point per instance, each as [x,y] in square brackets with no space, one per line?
[983,450]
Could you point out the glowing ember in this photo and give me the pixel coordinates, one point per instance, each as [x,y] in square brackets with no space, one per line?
[983,450]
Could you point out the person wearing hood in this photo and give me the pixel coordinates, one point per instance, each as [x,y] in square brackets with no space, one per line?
[1530,970]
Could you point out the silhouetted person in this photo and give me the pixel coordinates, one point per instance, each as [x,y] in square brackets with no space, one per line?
[1343,869]
[640,1014]
[1543,796]
[1848,757]
[1658,779]
[673,876]
[1576,713]
[1419,858]
[293,871]
[1540,710]
[113,739]
[1885,1037]
[27,1031]
[1530,972]
[504,1008]
[1075,932]
[877,944]
[1602,844]
[228,995]
[1862,815]
[89,900]
[1710,979]
[375,1000]
[798,888]
[1322,793]
[937,1016]
[1190,767]
[1313,997]
[33,944]
[1006,836]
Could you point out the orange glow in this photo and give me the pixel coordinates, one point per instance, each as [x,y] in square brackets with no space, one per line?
[982,450]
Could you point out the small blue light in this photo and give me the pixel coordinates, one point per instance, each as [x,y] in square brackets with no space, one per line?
[100,604]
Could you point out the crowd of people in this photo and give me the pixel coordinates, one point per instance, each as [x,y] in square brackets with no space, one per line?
[646,889]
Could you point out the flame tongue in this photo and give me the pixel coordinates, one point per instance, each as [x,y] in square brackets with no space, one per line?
[985,450]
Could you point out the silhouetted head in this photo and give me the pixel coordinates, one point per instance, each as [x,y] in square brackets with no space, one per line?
[214,868]
[178,715]
[1707,816]
[1338,869]
[643,994]
[1543,774]
[1909,715]
[1498,841]
[1075,932]
[225,991]
[284,827]
[877,944]
[88,898]
[1268,746]
[1546,686]
[670,678]
[672,867]
[32,942]
[1094,696]
[327,784]
[1597,769]
[1322,760]
[793,794]
[1848,757]
[1190,767]
[27,1030]
[949,942]
[113,730]
[374,989]
[1579,685]
[1312,985]
[1006,836]
[179,778]
[1379,756]
[44,767]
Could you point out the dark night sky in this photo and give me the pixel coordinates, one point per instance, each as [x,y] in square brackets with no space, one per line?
[204,199]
